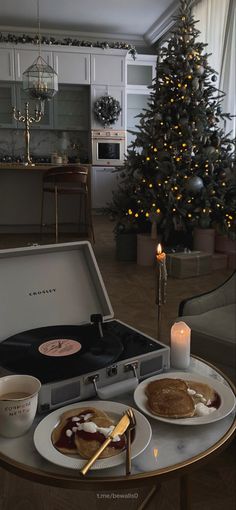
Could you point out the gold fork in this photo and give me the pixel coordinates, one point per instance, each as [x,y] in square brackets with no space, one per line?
[131,426]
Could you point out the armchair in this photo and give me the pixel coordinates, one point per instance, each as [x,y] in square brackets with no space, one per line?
[212,319]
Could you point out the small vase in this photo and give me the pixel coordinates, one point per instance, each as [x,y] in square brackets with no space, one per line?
[204,239]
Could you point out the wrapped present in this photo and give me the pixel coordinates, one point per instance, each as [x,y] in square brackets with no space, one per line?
[219,261]
[188,264]
[232,260]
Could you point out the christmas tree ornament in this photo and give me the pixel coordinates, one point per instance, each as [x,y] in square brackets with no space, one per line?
[214,77]
[194,184]
[205,221]
[222,174]
[209,151]
[215,139]
[199,70]
[195,83]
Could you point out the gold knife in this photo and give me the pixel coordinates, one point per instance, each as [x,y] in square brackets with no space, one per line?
[119,429]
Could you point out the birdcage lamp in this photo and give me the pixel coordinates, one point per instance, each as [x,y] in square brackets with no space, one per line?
[40,80]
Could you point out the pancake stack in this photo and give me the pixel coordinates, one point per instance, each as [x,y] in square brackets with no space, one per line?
[176,398]
[69,440]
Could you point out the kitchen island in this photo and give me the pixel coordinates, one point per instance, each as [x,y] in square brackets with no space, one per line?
[20,200]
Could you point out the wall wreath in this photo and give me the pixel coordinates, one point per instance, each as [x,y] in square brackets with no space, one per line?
[107,110]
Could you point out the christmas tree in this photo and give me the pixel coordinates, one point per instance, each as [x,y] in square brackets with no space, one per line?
[179,170]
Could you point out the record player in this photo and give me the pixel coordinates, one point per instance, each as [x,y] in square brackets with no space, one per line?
[57,323]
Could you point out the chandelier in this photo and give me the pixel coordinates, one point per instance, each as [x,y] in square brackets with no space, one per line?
[40,80]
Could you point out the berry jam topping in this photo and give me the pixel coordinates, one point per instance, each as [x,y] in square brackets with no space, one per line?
[71,430]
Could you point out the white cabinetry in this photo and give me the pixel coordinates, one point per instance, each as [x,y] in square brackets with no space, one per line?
[71,107]
[104,180]
[24,58]
[141,71]
[7,64]
[7,101]
[140,75]
[72,67]
[108,70]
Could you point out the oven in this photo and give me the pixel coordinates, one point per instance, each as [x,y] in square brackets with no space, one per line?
[108,147]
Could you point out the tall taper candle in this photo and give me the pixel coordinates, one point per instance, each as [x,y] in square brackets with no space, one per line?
[161,282]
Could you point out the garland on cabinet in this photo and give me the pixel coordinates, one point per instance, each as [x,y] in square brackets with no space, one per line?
[68,41]
[107,110]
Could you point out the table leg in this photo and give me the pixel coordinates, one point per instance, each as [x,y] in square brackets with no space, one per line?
[185,493]
[149,497]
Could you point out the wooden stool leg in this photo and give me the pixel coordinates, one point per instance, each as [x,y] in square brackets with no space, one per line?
[80,222]
[41,219]
[56,213]
[89,220]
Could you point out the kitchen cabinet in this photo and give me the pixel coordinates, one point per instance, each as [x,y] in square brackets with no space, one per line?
[118,93]
[7,71]
[7,101]
[141,71]
[72,67]
[140,75]
[136,102]
[71,108]
[104,180]
[24,58]
[108,70]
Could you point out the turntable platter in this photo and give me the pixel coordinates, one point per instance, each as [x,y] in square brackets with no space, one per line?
[59,352]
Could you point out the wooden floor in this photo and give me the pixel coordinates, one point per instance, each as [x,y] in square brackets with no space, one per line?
[131,289]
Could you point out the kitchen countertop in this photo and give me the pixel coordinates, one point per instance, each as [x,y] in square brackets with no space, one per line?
[37,166]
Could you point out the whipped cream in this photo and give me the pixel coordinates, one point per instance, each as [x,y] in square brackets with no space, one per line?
[91,427]
[198,395]
[203,410]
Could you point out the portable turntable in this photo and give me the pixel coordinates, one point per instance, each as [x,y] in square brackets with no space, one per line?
[57,324]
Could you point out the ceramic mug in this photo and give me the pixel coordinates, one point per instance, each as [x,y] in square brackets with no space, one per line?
[18,403]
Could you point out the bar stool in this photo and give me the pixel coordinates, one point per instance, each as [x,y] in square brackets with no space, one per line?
[69,180]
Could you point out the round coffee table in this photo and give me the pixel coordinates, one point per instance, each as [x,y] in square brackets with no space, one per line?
[173,450]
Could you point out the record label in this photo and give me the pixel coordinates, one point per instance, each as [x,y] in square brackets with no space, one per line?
[59,347]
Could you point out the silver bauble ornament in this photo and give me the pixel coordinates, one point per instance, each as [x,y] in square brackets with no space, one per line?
[199,70]
[210,150]
[194,184]
[195,83]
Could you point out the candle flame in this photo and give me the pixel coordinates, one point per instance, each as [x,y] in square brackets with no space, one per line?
[159,249]
[155,452]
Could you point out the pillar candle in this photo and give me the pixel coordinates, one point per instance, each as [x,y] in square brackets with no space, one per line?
[180,345]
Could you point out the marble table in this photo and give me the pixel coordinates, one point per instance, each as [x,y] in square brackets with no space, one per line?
[180,449]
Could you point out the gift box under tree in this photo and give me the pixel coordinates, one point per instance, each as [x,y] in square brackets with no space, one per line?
[186,265]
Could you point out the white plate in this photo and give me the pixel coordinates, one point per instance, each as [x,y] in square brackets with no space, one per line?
[226,396]
[43,432]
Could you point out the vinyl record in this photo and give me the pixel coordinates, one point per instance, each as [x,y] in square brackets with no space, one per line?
[59,352]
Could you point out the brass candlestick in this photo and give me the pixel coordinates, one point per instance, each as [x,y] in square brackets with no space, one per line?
[27,119]
[161,284]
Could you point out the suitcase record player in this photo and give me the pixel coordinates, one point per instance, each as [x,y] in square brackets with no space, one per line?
[57,324]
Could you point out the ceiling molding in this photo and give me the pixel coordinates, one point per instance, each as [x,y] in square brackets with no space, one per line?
[162,25]
[136,40]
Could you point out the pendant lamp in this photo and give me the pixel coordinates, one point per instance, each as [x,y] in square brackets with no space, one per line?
[40,80]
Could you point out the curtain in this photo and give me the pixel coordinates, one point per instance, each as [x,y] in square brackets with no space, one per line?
[217,24]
